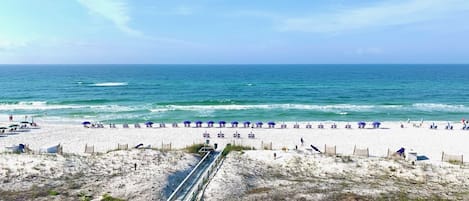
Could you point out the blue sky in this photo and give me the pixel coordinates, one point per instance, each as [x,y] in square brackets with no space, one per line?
[238,32]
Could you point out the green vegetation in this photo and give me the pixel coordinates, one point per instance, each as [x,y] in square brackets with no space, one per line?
[230,148]
[107,197]
[53,192]
[194,148]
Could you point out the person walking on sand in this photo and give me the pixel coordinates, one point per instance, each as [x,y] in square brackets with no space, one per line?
[10,117]
[275,156]
[135,166]
[302,141]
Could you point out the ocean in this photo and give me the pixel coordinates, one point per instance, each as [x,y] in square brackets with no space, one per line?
[173,93]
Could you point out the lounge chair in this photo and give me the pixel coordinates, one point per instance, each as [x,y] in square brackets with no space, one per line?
[137,125]
[125,125]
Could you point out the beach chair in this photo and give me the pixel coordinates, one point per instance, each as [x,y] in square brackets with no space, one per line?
[220,135]
[125,125]
[175,125]
[137,125]
[236,135]
[309,126]
[206,135]
[251,135]
[162,125]
[320,126]
[283,126]
[334,126]
[296,126]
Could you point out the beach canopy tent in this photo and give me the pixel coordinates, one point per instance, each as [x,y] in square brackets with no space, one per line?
[234,122]
[86,122]
[271,123]
[148,123]
[376,124]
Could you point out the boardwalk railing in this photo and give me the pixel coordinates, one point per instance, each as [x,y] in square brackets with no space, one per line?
[178,190]
[201,184]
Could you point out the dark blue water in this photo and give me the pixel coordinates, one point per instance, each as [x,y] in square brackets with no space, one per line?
[136,93]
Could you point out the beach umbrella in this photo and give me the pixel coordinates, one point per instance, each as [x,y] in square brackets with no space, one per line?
[13,125]
[376,123]
[247,122]
[361,123]
[25,122]
[86,122]
[3,128]
[222,122]
[259,123]
[271,123]
[187,122]
[198,122]
[148,123]
[210,122]
[234,122]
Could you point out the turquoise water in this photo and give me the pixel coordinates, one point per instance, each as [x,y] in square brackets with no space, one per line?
[136,93]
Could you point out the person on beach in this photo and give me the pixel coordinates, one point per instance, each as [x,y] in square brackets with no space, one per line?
[275,156]
[10,117]
[135,166]
[302,141]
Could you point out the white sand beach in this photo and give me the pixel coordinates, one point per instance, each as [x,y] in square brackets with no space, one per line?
[428,142]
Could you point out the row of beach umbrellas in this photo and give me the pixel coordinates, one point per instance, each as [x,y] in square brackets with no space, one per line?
[271,123]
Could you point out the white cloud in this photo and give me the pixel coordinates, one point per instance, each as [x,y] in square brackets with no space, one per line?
[116,11]
[390,13]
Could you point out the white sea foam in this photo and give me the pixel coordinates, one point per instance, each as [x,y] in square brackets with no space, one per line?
[42,105]
[338,108]
[433,107]
[109,84]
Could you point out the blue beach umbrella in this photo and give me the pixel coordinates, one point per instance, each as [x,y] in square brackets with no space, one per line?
[187,122]
[234,122]
[271,123]
[259,123]
[247,122]
[148,123]
[377,123]
[361,123]
[86,122]
[198,122]
[222,122]
[210,122]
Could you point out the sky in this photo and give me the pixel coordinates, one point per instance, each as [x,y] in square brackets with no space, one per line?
[233,31]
